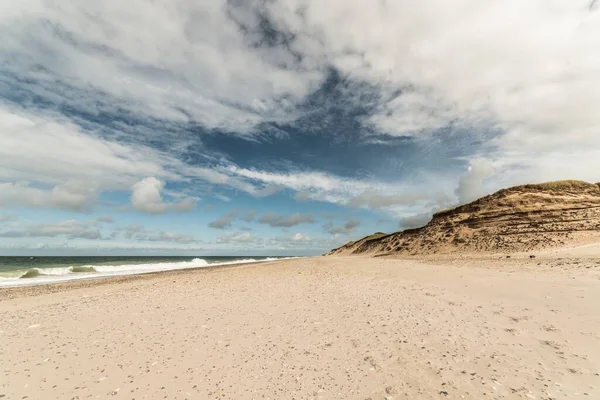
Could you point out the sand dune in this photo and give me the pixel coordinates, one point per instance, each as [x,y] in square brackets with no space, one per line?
[522,218]
[321,328]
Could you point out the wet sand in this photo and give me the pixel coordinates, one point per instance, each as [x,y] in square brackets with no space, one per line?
[319,328]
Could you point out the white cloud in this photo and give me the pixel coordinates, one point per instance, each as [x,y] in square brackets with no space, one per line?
[91,230]
[140,233]
[238,238]
[52,151]
[21,194]
[7,217]
[295,242]
[345,229]
[471,185]
[221,176]
[146,197]
[199,65]
[224,222]
[172,237]
[84,247]
[528,68]
[299,181]
[286,221]
[368,193]
[299,241]
[526,71]
[51,163]
[74,195]
[523,76]
[69,228]
[299,237]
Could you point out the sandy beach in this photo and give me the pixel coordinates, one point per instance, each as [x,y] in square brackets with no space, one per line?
[316,328]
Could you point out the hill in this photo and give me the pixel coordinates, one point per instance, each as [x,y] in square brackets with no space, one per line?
[520,218]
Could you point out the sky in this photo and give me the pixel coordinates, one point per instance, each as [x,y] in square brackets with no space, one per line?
[281,127]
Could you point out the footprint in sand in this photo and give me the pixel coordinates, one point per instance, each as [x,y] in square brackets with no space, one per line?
[552,344]
[519,319]
[372,362]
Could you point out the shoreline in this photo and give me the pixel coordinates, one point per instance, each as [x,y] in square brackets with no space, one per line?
[37,289]
[569,260]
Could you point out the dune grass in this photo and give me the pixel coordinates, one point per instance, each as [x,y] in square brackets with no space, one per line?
[374,236]
[561,185]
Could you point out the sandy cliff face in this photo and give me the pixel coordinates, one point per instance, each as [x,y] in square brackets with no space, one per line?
[517,219]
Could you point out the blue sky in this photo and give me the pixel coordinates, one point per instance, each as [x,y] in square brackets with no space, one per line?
[282,127]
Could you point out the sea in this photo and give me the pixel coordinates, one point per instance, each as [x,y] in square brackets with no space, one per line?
[24,271]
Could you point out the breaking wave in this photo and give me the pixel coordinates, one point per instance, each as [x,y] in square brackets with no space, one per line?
[60,274]
[83,268]
[31,273]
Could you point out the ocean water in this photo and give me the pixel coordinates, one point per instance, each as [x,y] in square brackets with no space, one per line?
[22,271]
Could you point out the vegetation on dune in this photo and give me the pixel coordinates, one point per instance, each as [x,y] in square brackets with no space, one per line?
[554,186]
[561,185]
[520,218]
[376,235]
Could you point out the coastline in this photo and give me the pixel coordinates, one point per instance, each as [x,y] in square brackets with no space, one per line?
[312,328]
[36,289]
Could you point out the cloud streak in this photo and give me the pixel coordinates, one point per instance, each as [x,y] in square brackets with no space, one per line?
[286,221]
[140,233]
[70,228]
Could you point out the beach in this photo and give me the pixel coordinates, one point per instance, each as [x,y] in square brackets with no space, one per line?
[485,327]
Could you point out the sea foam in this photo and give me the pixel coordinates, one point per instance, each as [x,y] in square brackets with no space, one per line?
[34,276]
